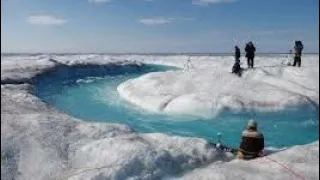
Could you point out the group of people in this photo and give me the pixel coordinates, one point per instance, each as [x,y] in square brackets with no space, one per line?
[250,50]
[252,142]
[250,53]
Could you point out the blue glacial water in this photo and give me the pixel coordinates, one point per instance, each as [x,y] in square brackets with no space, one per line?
[90,93]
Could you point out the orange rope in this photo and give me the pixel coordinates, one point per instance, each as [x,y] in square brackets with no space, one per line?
[285,167]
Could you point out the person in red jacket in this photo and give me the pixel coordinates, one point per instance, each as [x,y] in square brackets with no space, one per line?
[252,142]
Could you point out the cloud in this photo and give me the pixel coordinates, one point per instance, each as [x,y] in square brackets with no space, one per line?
[207,2]
[99,1]
[46,20]
[155,21]
[161,20]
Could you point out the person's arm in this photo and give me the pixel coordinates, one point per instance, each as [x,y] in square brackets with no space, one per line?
[241,146]
[261,146]
[262,143]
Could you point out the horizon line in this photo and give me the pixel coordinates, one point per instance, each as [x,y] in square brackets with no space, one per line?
[140,53]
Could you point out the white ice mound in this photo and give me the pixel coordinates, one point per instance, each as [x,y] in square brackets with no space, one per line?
[205,92]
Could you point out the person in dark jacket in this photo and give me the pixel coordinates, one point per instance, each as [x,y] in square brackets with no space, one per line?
[252,142]
[250,52]
[237,53]
[236,67]
[297,53]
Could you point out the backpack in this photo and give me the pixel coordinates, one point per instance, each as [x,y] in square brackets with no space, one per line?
[299,45]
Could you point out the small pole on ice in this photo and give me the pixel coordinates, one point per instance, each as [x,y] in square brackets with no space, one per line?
[188,65]
[218,145]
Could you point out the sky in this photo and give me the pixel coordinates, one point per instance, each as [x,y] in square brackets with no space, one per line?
[157,26]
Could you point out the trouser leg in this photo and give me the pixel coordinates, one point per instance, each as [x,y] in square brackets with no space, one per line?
[252,61]
[295,61]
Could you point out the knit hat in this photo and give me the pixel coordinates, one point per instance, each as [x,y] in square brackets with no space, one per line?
[252,123]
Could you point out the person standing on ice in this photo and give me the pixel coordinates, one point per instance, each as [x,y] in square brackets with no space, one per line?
[236,67]
[297,53]
[250,52]
[252,142]
[237,53]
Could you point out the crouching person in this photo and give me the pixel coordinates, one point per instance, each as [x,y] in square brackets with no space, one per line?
[252,142]
[236,69]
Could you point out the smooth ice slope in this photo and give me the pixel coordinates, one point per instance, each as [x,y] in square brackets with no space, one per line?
[38,142]
[289,164]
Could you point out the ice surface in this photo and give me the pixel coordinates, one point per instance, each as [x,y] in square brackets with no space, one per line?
[39,142]
[299,162]
[206,90]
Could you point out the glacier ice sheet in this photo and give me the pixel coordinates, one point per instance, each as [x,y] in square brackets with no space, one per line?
[39,142]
